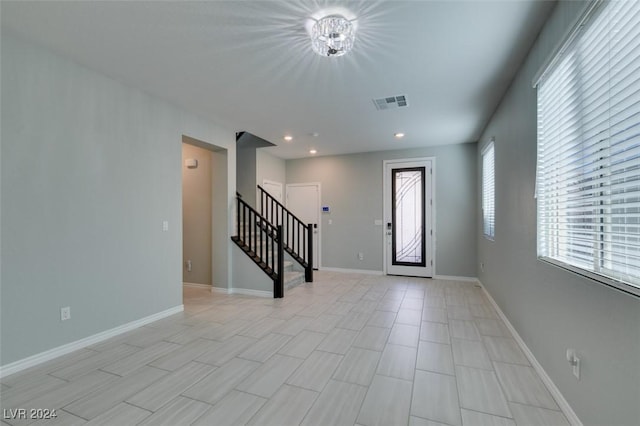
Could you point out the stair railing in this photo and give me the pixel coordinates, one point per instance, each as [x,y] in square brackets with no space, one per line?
[298,236]
[262,241]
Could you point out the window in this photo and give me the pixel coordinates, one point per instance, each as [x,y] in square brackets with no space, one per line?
[588,186]
[488,192]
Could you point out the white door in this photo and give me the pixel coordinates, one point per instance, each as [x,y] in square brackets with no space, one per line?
[408,218]
[275,190]
[303,200]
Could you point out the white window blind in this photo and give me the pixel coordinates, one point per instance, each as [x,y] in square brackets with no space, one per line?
[588,188]
[488,192]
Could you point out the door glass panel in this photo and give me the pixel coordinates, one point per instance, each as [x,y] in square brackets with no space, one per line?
[408,216]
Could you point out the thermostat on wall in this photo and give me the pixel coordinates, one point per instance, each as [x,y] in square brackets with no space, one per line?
[326,209]
[191,163]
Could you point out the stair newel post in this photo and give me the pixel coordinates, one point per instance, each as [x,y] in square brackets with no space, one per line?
[278,284]
[308,271]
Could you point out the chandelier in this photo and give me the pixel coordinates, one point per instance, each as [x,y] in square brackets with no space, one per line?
[332,35]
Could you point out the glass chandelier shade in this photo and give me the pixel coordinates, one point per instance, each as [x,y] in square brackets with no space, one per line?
[332,36]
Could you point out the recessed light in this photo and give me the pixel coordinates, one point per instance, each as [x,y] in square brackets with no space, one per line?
[288,138]
[399,135]
[313,151]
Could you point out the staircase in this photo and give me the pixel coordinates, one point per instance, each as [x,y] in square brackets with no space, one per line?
[291,278]
[298,236]
[266,242]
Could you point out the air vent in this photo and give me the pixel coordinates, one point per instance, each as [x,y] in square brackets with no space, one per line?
[391,102]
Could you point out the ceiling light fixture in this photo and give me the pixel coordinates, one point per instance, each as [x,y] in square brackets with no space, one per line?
[332,35]
[313,151]
[399,135]
[288,138]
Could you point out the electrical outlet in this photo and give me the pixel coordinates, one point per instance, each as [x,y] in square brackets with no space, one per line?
[65,313]
[360,256]
[482,266]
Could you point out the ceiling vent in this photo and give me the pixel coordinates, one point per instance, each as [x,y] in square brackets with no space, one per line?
[391,102]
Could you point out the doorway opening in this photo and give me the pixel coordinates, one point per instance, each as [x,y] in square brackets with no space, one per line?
[204,214]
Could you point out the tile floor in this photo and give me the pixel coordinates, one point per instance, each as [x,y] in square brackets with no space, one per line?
[347,349]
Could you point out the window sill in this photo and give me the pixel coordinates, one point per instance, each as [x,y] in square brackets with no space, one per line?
[600,279]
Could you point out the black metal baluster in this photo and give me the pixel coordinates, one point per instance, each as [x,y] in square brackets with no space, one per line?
[254,236]
[299,239]
[244,224]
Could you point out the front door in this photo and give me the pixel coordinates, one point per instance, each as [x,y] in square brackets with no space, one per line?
[408,217]
[303,200]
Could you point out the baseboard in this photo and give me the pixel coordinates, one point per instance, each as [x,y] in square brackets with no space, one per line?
[352,271]
[249,292]
[244,291]
[45,356]
[455,278]
[197,285]
[553,389]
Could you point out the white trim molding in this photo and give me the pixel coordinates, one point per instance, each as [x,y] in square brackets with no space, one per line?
[250,292]
[197,285]
[45,356]
[352,271]
[455,278]
[566,409]
[243,291]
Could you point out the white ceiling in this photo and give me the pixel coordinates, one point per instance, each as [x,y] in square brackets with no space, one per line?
[248,65]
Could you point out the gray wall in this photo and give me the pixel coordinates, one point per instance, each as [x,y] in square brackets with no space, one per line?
[247,275]
[220,243]
[269,167]
[197,194]
[90,170]
[352,187]
[553,309]
[246,174]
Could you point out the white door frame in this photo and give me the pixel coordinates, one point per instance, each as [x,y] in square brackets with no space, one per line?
[319,186]
[386,193]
